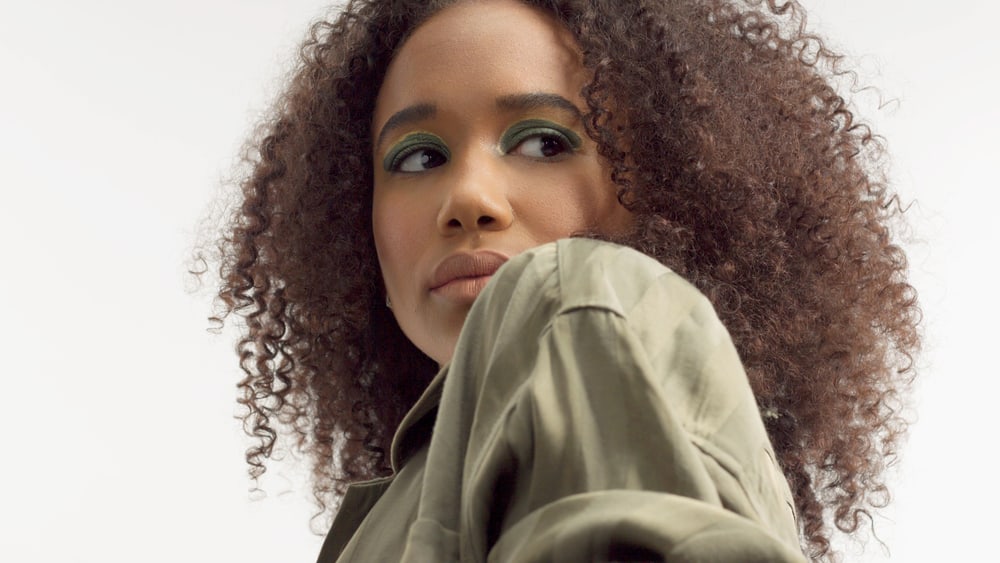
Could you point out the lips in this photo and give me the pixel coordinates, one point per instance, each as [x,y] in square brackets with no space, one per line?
[461,277]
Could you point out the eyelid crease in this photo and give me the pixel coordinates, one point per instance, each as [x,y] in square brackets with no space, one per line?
[530,127]
[405,146]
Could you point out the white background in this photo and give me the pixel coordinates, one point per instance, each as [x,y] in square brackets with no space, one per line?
[120,120]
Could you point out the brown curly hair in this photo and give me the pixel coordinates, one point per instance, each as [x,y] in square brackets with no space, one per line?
[745,170]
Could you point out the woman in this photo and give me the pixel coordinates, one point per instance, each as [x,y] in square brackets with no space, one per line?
[423,148]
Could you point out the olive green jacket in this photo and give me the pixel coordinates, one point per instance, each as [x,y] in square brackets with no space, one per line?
[595,409]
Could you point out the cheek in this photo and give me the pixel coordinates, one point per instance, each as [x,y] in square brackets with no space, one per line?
[601,206]
[568,203]
[394,241]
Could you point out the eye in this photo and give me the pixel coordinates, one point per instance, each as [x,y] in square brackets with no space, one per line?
[417,152]
[539,139]
[418,160]
[542,146]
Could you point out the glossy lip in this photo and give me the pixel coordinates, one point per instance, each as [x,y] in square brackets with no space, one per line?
[462,276]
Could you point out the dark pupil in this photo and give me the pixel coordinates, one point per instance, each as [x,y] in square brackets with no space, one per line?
[551,146]
[431,159]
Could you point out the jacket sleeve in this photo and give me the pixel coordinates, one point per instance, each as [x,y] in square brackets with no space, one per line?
[602,413]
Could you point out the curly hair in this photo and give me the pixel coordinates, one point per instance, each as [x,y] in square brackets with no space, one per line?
[747,174]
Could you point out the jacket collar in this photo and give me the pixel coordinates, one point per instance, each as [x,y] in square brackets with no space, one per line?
[415,429]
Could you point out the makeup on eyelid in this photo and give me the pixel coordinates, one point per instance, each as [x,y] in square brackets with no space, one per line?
[528,128]
[410,144]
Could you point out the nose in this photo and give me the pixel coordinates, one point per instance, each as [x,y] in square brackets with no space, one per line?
[476,200]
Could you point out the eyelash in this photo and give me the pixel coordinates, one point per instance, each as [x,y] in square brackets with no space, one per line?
[511,140]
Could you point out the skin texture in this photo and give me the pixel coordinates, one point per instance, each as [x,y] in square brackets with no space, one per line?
[743,168]
[468,61]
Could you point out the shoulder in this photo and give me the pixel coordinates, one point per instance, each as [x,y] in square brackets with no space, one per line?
[580,273]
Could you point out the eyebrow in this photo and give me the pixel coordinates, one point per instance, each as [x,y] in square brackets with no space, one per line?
[411,114]
[537,100]
[512,102]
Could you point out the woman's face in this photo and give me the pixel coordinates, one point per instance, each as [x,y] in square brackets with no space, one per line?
[479,154]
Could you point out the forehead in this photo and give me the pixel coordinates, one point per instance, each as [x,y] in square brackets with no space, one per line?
[479,51]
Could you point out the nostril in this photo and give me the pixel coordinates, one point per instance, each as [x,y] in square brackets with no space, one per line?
[482,222]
